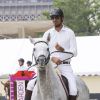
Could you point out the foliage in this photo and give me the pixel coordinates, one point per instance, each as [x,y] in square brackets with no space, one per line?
[46,13]
[39,34]
[83,16]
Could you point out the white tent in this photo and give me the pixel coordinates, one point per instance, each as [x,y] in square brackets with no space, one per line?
[87,59]
[10,51]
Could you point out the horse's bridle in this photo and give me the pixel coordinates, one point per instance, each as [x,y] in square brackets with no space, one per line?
[47,59]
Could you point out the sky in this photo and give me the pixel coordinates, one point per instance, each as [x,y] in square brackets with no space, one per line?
[87,59]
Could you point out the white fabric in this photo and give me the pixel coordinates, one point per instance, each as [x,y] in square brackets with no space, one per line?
[22,68]
[66,70]
[31,84]
[32,69]
[66,39]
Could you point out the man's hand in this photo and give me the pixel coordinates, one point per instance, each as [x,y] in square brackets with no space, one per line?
[59,48]
[56,60]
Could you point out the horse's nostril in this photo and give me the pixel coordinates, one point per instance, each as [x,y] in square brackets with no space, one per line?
[42,60]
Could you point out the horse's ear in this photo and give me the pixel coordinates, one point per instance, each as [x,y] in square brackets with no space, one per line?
[31,40]
[48,38]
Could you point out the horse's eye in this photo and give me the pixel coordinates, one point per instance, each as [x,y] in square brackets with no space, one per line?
[47,49]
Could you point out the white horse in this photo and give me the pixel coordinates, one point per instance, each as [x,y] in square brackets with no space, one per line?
[48,85]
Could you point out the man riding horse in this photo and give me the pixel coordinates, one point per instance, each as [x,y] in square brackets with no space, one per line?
[62,38]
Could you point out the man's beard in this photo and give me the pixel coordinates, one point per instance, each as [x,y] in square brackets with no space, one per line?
[58,25]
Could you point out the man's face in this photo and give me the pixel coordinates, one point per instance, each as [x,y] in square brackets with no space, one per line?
[20,63]
[28,65]
[57,20]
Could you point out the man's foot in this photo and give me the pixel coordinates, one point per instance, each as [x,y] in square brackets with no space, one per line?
[72,97]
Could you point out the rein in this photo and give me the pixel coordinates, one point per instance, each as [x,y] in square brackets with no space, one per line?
[64,52]
[48,58]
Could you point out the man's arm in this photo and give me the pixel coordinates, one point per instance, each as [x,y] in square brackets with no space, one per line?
[56,60]
[59,48]
[73,44]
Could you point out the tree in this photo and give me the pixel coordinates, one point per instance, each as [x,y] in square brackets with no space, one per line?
[83,16]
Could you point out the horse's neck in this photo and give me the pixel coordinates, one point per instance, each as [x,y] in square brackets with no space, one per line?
[49,85]
[44,82]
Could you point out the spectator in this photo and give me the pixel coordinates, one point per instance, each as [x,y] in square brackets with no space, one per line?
[62,39]
[30,67]
[29,63]
[21,64]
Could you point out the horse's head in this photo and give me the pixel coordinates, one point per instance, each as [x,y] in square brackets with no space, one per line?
[41,52]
